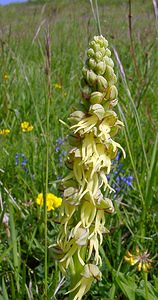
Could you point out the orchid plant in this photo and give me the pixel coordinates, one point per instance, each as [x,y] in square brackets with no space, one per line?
[93,128]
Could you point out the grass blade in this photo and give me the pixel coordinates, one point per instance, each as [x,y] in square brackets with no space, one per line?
[133,106]
[151,173]
[14,244]
[4,289]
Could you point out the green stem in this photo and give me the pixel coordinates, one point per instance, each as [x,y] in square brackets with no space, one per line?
[46,191]
[96,15]
[45,232]
[47,106]
[14,244]
[145,275]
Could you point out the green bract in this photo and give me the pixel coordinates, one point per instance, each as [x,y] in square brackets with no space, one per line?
[89,161]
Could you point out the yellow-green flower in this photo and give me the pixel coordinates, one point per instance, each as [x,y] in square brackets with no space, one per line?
[52,201]
[26,126]
[89,274]
[4,131]
[57,86]
[141,259]
[5,77]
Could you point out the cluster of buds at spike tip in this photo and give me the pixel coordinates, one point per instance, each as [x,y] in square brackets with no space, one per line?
[99,79]
[89,162]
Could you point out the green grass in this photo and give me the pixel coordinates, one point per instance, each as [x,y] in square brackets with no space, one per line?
[24,97]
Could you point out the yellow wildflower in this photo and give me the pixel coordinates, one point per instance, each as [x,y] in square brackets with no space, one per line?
[57,86]
[4,131]
[26,126]
[5,77]
[141,259]
[52,201]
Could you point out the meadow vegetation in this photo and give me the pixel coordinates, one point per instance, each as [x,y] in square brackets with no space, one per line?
[42,50]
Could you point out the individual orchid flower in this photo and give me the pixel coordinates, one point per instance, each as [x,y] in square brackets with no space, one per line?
[89,274]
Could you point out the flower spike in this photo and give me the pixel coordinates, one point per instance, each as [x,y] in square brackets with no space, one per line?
[89,161]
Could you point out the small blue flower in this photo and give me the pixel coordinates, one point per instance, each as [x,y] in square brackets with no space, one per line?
[118,179]
[117,189]
[59,141]
[25,170]
[117,156]
[120,166]
[64,153]
[57,149]
[121,182]
[128,180]
[23,163]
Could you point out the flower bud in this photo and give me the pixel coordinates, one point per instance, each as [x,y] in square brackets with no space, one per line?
[108,61]
[94,46]
[98,56]
[112,93]
[100,68]
[101,41]
[103,51]
[86,91]
[76,116]
[90,52]
[105,42]
[98,110]
[101,83]
[109,73]
[96,97]
[91,77]
[92,63]
[113,103]
[113,80]
[107,52]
